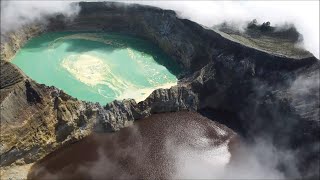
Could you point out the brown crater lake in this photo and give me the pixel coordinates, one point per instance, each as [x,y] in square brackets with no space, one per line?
[169,145]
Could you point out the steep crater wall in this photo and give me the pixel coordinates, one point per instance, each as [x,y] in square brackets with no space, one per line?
[268,95]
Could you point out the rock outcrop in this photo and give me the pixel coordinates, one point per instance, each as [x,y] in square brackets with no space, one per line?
[30,117]
[13,41]
[118,114]
[37,119]
[272,95]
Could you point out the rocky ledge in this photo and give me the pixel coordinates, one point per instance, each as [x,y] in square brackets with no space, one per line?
[37,119]
[268,94]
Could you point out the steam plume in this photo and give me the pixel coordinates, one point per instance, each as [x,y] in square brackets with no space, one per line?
[15,14]
[303,14]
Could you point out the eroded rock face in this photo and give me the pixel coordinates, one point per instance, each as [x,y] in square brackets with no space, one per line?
[13,41]
[36,119]
[30,118]
[119,114]
[272,95]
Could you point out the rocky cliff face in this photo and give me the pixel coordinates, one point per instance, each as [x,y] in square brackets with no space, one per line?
[37,119]
[271,95]
[13,41]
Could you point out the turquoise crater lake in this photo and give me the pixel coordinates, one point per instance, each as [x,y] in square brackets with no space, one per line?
[97,67]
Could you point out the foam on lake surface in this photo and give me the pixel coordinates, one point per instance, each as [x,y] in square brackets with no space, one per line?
[97,67]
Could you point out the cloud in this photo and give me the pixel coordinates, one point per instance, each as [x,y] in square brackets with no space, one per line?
[15,14]
[258,160]
[303,14]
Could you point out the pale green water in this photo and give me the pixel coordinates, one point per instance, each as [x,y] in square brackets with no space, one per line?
[97,67]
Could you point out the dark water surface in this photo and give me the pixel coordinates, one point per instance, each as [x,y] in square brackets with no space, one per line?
[161,146]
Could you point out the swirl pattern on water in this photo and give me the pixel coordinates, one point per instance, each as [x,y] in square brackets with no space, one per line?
[95,67]
[87,69]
